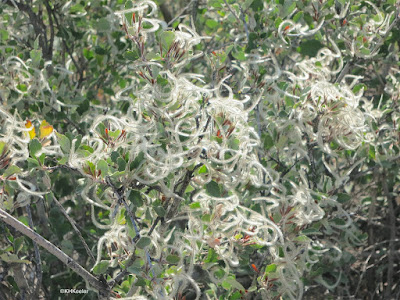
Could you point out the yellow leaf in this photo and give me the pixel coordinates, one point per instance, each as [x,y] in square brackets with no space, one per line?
[32,132]
[45,129]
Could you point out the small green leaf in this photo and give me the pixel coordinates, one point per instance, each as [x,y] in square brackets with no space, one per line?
[289,9]
[268,141]
[302,239]
[3,148]
[195,205]
[67,247]
[140,282]
[114,156]
[270,268]
[257,5]
[206,218]
[101,267]
[162,81]
[121,164]
[338,221]
[236,295]
[103,167]
[226,285]
[34,147]
[219,273]
[22,87]
[77,8]
[278,22]
[342,197]
[100,51]
[131,55]
[137,161]
[252,289]
[143,242]
[310,47]
[62,160]
[212,189]
[83,107]
[13,258]
[289,101]
[234,283]
[87,148]
[214,3]
[203,169]
[212,256]
[12,170]
[24,220]
[135,198]
[160,211]
[92,167]
[41,158]
[167,38]
[173,259]
[3,33]
[311,231]
[136,267]
[211,23]
[365,51]
[298,16]
[103,25]
[371,152]
[239,55]
[36,56]
[358,87]
[64,142]
[18,244]
[32,163]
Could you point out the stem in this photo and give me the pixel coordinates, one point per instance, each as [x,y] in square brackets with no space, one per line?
[158,219]
[73,224]
[392,238]
[179,15]
[37,254]
[121,200]
[68,261]
[344,71]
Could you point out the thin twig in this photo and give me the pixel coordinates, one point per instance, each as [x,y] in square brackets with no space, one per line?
[246,28]
[38,26]
[372,209]
[121,275]
[70,52]
[194,12]
[231,10]
[158,219]
[37,254]
[345,70]
[51,25]
[241,19]
[68,261]
[180,13]
[184,183]
[73,224]
[392,224]
[121,200]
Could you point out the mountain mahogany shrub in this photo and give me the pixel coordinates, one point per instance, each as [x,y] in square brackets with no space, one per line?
[216,174]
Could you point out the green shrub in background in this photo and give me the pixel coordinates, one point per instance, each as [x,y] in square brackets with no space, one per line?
[212,149]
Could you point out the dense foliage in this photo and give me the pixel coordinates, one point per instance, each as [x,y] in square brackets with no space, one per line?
[211,149]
